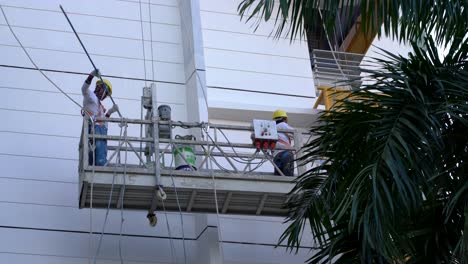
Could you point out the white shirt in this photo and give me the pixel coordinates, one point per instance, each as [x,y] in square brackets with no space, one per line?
[284,137]
[91,104]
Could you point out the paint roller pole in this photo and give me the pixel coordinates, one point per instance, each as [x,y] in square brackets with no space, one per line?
[87,54]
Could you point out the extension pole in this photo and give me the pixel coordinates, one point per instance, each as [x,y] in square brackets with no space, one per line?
[87,54]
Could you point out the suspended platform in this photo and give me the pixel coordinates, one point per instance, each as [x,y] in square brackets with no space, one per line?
[241,177]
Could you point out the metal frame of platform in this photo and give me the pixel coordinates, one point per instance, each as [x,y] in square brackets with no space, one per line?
[238,191]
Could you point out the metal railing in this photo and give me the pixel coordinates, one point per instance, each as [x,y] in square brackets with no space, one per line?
[228,147]
[332,68]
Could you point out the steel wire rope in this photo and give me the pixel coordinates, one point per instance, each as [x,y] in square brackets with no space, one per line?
[123,126]
[220,239]
[122,219]
[151,38]
[144,69]
[178,202]
[32,61]
[171,242]
[154,112]
[143,44]
[93,172]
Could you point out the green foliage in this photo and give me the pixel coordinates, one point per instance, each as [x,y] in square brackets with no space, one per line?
[404,20]
[394,183]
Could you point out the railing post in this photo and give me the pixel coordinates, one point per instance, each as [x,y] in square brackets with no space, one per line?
[298,144]
[85,160]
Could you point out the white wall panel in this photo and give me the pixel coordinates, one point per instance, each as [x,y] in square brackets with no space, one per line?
[231,24]
[51,259]
[36,192]
[269,102]
[257,62]
[74,219]
[259,82]
[96,45]
[41,19]
[257,254]
[168,93]
[79,63]
[252,43]
[238,57]
[57,103]
[161,12]
[76,245]
[19,167]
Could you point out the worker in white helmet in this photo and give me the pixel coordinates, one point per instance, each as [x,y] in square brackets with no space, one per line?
[93,108]
[284,159]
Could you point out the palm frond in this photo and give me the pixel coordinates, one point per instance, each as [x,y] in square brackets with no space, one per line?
[403,20]
[393,184]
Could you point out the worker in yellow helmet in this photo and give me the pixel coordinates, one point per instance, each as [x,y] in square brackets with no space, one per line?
[284,159]
[93,108]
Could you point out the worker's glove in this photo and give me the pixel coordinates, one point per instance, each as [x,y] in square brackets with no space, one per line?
[96,73]
[113,109]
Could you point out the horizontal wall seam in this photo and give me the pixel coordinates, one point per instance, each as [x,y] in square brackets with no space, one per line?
[86,74]
[258,53]
[94,35]
[251,34]
[38,180]
[94,54]
[79,94]
[259,72]
[145,236]
[35,156]
[77,257]
[261,92]
[37,134]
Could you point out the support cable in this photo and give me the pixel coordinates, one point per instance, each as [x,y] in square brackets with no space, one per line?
[143,45]
[123,127]
[151,38]
[91,242]
[178,202]
[122,219]
[32,61]
[220,240]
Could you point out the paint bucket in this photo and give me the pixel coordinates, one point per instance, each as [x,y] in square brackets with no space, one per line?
[184,155]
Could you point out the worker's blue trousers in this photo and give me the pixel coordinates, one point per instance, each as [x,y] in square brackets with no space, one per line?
[285,162]
[101,146]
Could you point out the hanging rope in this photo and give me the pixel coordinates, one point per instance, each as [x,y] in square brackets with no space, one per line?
[122,219]
[32,61]
[177,201]
[220,240]
[143,45]
[123,127]
[151,39]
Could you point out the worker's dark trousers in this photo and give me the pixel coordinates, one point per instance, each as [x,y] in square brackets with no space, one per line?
[101,146]
[285,162]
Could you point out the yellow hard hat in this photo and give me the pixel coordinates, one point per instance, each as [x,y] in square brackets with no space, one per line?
[279,113]
[108,84]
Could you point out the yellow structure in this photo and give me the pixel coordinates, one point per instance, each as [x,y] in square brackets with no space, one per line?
[328,96]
